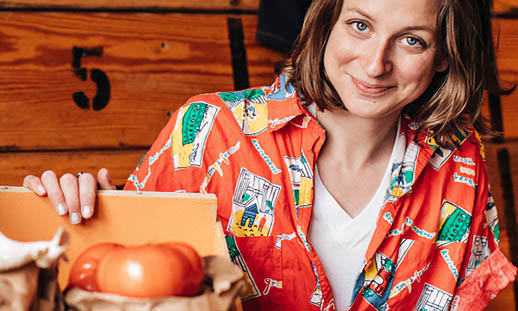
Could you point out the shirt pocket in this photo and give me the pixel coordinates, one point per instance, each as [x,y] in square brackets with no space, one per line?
[414,266]
[261,262]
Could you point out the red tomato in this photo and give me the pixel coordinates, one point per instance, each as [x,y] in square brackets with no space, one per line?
[83,271]
[194,275]
[146,271]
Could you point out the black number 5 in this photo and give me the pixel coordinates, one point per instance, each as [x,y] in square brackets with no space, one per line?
[98,76]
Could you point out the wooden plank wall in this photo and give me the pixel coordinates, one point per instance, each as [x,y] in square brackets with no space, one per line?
[502,154]
[149,59]
[151,56]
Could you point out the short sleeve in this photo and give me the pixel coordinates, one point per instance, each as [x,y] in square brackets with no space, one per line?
[485,271]
[176,160]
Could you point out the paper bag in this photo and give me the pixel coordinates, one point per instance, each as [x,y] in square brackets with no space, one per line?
[28,274]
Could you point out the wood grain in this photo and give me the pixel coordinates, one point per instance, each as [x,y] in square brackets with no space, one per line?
[506,300]
[134,4]
[14,166]
[261,59]
[494,175]
[495,179]
[37,113]
[506,39]
[500,6]
[508,7]
[155,62]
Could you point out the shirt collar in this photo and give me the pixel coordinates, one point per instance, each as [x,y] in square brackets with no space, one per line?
[283,104]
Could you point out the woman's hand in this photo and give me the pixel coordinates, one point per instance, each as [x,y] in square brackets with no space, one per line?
[71,194]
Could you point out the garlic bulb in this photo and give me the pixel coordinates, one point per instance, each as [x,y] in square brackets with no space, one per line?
[14,254]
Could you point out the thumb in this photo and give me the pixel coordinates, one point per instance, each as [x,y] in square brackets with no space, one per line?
[104,180]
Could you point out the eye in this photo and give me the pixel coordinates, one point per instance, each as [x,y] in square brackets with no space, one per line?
[360,26]
[412,41]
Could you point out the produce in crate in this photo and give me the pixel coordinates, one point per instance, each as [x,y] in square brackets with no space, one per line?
[83,273]
[142,271]
[194,276]
[15,254]
[223,284]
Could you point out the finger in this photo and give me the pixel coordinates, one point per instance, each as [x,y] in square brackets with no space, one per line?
[34,184]
[103,177]
[87,192]
[70,188]
[50,182]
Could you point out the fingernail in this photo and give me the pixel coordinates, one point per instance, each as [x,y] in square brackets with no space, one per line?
[41,190]
[87,211]
[61,209]
[75,218]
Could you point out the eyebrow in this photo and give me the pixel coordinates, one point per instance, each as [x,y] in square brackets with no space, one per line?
[410,28]
[359,11]
[425,28]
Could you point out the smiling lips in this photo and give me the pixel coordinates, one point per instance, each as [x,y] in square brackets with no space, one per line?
[369,89]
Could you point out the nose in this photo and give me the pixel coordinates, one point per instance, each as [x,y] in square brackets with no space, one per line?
[376,61]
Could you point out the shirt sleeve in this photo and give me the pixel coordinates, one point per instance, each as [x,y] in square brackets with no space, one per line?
[176,160]
[485,270]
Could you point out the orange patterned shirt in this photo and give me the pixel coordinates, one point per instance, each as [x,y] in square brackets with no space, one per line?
[436,242]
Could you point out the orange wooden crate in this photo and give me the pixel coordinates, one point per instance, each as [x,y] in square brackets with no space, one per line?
[125,217]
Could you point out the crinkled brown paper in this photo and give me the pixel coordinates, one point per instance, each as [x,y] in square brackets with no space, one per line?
[226,280]
[28,274]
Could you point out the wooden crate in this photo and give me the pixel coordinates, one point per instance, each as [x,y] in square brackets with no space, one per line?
[185,217]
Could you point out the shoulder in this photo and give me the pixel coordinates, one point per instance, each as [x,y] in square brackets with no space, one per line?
[250,110]
[464,142]
[470,145]
[459,163]
[241,111]
[462,164]
[230,99]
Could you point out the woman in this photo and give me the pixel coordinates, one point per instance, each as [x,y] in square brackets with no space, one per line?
[377,111]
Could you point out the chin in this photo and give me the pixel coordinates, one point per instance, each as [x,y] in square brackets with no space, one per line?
[374,114]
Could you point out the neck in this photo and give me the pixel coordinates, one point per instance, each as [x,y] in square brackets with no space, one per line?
[358,141]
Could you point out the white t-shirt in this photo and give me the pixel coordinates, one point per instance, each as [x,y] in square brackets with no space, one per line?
[342,241]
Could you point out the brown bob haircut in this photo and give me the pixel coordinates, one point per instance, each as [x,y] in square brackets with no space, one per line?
[454,98]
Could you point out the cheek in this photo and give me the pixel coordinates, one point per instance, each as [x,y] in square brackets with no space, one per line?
[336,56]
[329,56]
[418,72]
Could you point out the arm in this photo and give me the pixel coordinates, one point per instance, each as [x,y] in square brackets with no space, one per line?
[178,159]
[485,269]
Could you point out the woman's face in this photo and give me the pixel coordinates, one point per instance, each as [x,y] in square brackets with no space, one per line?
[380,55]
